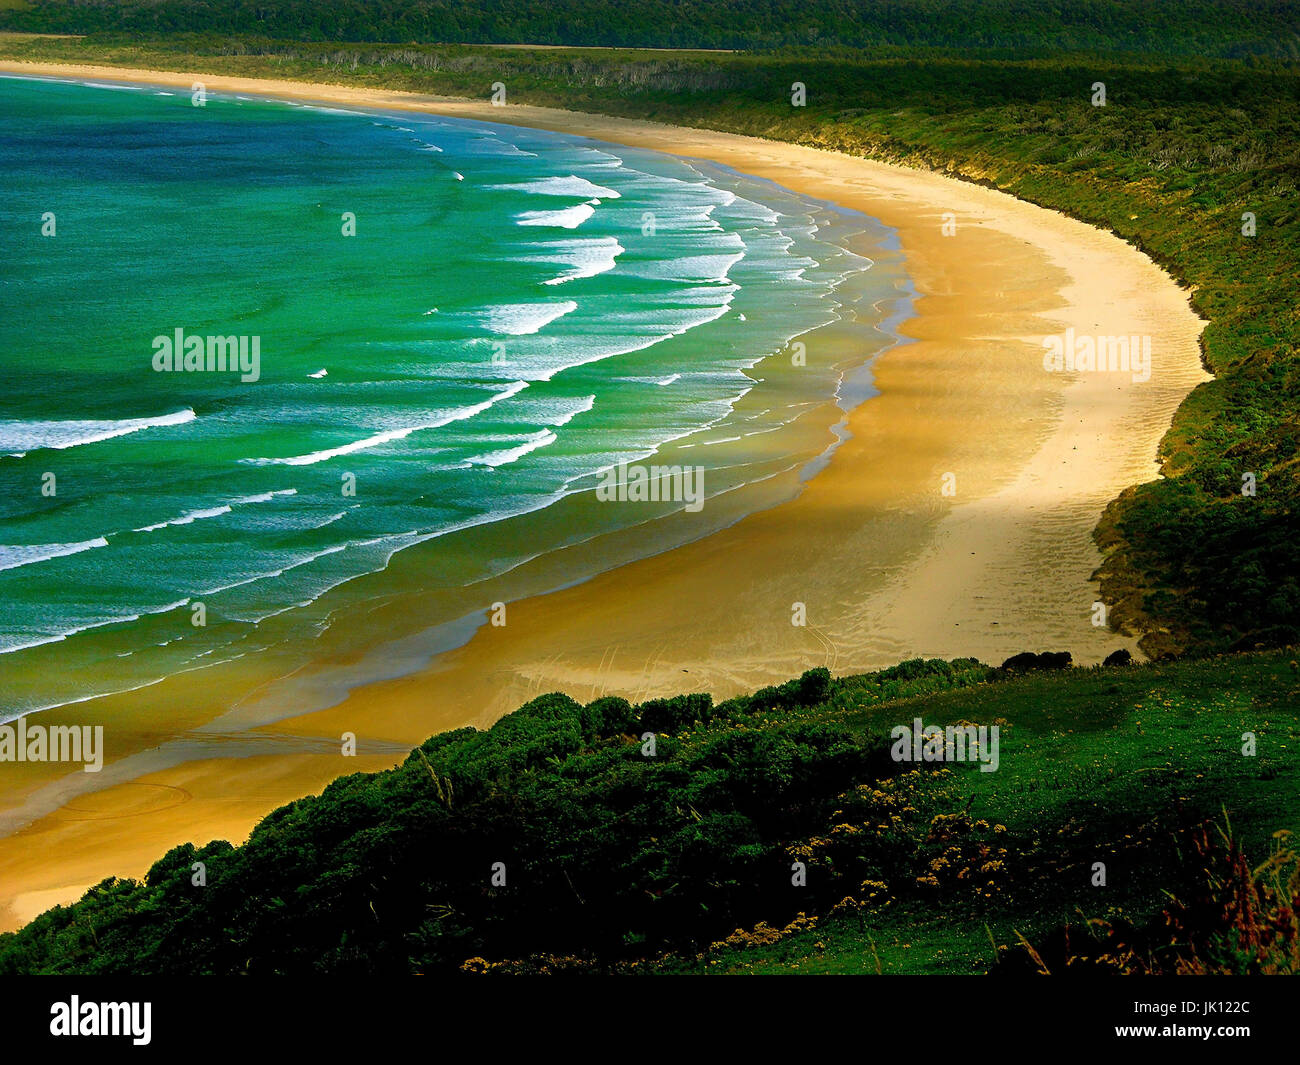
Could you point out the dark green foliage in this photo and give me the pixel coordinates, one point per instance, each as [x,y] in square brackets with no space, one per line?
[605,850]
[1030,661]
[812,688]
[1180,27]
[675,714]
[612,856]
[609,716]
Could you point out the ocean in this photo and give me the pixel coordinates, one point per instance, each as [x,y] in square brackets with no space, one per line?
[451,332]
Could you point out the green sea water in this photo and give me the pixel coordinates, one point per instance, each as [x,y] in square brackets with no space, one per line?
[458,327]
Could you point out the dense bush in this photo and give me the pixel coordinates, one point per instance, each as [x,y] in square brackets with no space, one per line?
[604,849]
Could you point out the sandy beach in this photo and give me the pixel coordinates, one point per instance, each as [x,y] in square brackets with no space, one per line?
[887,564]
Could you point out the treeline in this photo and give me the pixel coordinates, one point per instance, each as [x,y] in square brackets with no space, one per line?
[1167,27]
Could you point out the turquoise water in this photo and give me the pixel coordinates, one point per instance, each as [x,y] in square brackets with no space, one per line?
[516,312]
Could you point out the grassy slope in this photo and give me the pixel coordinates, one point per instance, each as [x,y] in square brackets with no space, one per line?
[1111,765]
[1098,765]
[1179,153]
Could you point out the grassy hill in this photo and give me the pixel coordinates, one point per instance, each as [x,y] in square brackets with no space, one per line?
[617,859]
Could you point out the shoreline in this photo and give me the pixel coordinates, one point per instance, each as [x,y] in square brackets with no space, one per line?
[887,566]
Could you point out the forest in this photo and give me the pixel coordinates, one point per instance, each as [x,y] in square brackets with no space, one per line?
[1225,28]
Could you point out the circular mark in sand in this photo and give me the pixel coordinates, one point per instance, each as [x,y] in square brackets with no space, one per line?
[132,799]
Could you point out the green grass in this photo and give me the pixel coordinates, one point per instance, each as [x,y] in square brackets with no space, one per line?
[1097,765]
[912,943]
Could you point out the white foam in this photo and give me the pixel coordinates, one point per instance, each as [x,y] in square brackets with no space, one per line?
[264,497]
[582,408]
[333,518]
[14,555]
[567,218]
[561,186]
[691,269]
[389,435]
[523,319]
[505,457]
[585,257]
[188,518]
[306,559]
[8,648]
[115,85]
[323,109]
[20,437]
[191,516]
[594,157]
